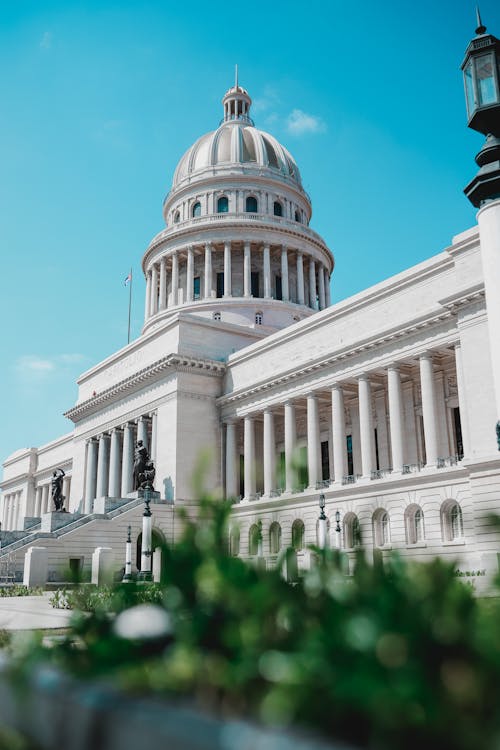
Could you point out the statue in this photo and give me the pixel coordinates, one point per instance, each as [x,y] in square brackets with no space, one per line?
[56,489]
[144,470]
[498,434]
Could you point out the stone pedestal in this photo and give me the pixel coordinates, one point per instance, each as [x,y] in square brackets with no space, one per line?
[157,565]
[30,521]
[55,520]
[102,560]
[35,567]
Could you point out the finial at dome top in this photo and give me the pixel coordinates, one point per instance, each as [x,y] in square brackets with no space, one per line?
[480,27]
[236,102]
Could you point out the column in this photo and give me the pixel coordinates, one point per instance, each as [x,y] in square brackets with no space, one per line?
[154,430]
[163,283]
[327,288]
[290,446]
[249,451]
[103,466]
[5,512]
[312,284]
[142,431]
[269,453]
[12,510]
[114,464]
[313,441]
[90,476]
[366,426]
[190,274]
[227,269]
[66,489]
[208,270]
[462,405]
[396,424]
[175,279]
[429,408]
[38,502]
[267,271]
[321,280]
[285,292]
[247,272]
[300,279]
[232,489]
[46,499]
[338,430]
[148,296]
[153,307]
[127,460]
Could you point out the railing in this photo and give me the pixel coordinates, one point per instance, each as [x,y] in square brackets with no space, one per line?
[277,492]
[449,460]
[322,484]
[350,478]
[380,473]
[412,468]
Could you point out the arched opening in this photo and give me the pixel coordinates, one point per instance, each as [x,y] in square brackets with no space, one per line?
[298,535]
[258,318]
[196,210]
[452,523]
[251,204]
[274,538]
[414,524]
[223,205]
[381,528]
[297,217]
[277,208]
[352,531]
[234,541]
[253,539]
[157,540]
[177,217]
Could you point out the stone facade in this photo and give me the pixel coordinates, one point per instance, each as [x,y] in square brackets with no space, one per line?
[382,402]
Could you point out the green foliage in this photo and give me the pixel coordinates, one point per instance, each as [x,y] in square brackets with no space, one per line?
[17,589]
[401,656]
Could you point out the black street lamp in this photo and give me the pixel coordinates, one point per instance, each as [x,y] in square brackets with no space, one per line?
[481,71]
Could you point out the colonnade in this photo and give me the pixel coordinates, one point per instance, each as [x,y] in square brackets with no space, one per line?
[110,459]
[11,509]
[338,432]
[159,278]
[42,502]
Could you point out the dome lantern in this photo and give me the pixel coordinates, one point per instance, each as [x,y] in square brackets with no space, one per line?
[236,102]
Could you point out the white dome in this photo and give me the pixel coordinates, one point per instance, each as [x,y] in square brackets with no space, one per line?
[236,142]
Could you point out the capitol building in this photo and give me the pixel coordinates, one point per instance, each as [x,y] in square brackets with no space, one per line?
[385,403]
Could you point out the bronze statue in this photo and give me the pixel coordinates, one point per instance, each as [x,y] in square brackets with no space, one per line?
[56,489]
[144,470]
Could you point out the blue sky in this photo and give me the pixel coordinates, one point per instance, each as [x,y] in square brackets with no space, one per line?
[99,100]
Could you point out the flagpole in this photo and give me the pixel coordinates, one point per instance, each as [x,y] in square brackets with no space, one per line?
[129,306]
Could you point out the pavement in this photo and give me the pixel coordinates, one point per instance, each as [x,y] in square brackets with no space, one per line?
[31,613]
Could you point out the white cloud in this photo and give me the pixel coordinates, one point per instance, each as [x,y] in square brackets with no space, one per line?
[46,40]
[299,122]
[33,366]
[269,100]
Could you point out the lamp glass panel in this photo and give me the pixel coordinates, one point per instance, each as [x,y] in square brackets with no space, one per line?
[485,77]
[469,89]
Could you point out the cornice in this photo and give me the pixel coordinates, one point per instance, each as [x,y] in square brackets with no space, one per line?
[175,362]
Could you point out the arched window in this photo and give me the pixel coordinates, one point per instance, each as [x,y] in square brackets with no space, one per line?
[216,316]
[223,205]
[278,208]
[451,521]
[254,536]
[298,533]
[297,216]
[196,210]
[414,524]
[177,217]
[234,542]
[251,204]
[258,318]
[352,532]
[274,538]
[381,528]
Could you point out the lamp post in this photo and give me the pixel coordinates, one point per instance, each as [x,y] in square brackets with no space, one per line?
[128,557]
[338,530]
[147,528]
[481,71]
[322,524]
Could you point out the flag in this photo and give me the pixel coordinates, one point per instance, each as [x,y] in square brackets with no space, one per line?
[128,279]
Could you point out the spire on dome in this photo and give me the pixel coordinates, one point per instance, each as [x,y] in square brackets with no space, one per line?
[236,102]
[480,27]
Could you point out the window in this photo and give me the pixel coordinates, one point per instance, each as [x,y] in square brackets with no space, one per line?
[196,210]
[196,287]
[325,460]
[381,528]
[350,458]
[220,284]
[298,533]
[254,283]
[253,540]
[216,316]
[278,208]
[234,542]
[223,205]
[297,216]
[279,288]
[258,318]
[177,217]
[459,443]
[274,538]
[451,521]
[251,205]
[414,524]
[352,531]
